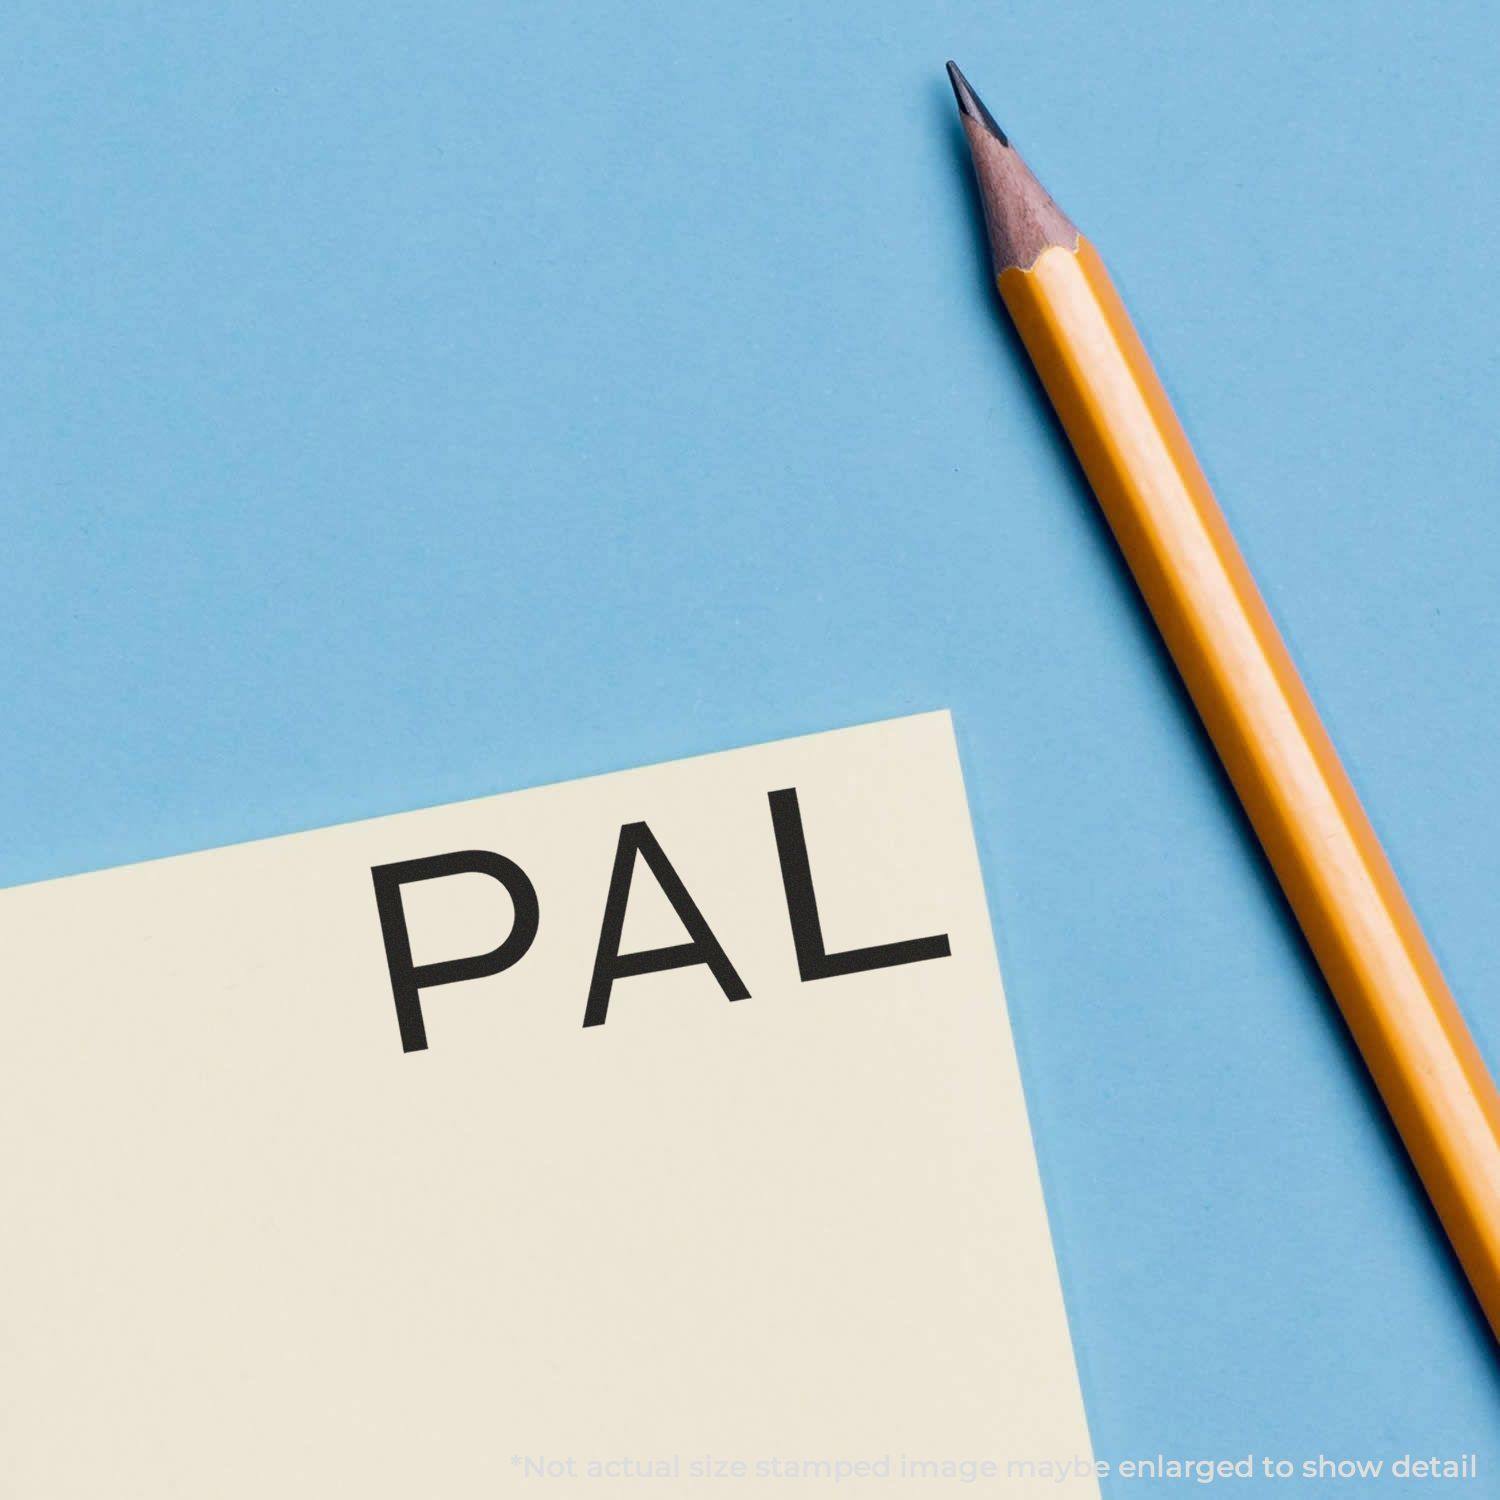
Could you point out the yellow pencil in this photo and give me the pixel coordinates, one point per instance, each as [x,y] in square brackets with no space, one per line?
[1262,722]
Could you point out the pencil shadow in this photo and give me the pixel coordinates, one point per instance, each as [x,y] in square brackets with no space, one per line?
[1023,377]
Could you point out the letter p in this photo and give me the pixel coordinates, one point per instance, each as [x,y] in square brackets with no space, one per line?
[408,979]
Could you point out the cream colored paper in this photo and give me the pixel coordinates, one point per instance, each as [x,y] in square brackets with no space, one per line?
[252,1248]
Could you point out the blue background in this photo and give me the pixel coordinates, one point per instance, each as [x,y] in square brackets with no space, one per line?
[410,402]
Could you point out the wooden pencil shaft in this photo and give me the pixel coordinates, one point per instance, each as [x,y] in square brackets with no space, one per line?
[1263,724]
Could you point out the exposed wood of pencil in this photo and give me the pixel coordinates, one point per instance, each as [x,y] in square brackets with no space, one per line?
[1257,711]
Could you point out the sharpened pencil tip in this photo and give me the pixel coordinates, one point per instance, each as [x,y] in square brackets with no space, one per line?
[1019,216]
[970,104]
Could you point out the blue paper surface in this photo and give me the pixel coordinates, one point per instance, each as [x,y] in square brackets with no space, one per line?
[412,402]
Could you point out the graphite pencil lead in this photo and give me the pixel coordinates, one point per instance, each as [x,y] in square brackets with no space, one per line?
[970,104]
